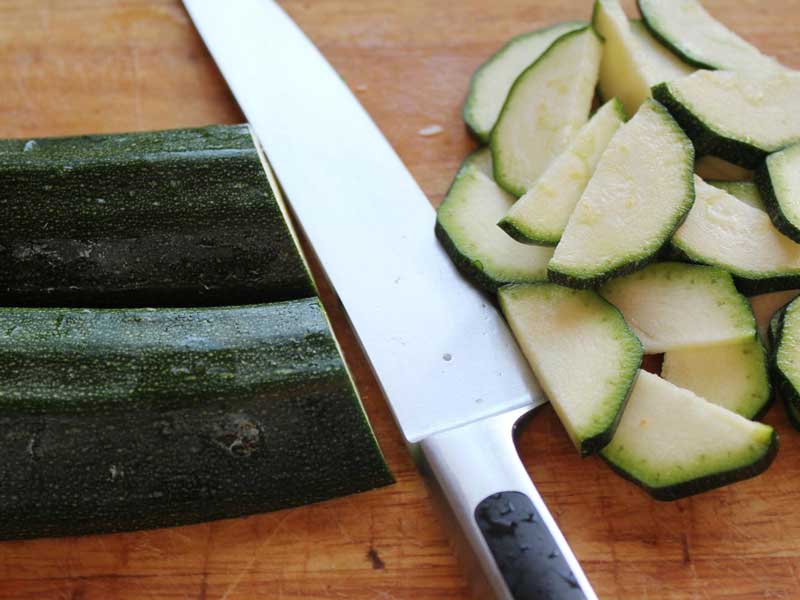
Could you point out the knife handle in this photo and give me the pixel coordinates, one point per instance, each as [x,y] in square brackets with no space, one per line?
[514,537]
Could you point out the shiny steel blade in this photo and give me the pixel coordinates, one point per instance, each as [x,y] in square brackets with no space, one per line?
[441,351]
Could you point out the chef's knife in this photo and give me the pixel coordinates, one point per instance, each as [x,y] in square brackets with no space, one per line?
[450,369]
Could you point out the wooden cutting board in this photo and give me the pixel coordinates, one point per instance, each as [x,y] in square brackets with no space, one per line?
[84,66]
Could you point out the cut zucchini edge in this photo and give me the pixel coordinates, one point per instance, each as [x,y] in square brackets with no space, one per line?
[626,465]
[693,56]
[469,260]
[479,125]
[705,138]
[787,391]
[774,202]
[624,340]
[570,277]
[498,142]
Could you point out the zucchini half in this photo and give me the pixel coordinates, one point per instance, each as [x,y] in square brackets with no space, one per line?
[124,419]
[778,180]
[168,218]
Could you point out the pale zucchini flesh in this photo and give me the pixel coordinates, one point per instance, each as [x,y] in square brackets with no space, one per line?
[690,31]
[746,191]
[676,306]
[633,61]
[541,215]
[733,376]
[740,117]
[466,224]
[725,232]
[643,187]
[778,179]
[492,81]
[558,329]
[674,444]
[545,108]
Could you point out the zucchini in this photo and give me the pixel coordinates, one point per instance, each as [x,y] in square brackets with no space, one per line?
[183,218]
[733,376]
[727,233]
[675,306]
[766,305]
[492,81]
[466,225]
[793,412]
[778,180]
[121,419]
[673,443]
[541,215]
[701,40]
[633,61]
[785,332]
[557,327]
[546,106]
[736,116]
[746,191]
[640,192]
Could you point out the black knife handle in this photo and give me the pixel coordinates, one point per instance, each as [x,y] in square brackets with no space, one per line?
[524,549]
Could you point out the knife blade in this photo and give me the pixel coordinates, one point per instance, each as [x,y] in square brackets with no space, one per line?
[446,361]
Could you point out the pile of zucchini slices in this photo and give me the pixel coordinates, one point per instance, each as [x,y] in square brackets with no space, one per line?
[639,225]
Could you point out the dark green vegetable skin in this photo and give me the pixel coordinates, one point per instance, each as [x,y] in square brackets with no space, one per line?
[790,395]
[114,420]
[763,180]
[706,140]
[169,218]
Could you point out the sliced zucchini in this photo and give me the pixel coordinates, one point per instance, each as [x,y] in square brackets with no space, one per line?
[733,376]
[712,167]
[778,179]
[675,306]
[737,116]
[481,159]
[639,193]
[766,305]
[785,330]
[546,106]
[633,62]
[674,444]
[466,225]
[746,191]
[701,40]
[491,82]
[541,215]
[793,412]
[725,232]
[557,327]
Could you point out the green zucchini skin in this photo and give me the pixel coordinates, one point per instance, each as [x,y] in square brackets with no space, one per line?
[705,139]
[702,484]
[763,180]
[204,414]
[784,387]
[170,218]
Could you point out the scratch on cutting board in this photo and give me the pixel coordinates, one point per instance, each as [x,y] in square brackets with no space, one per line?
[235,583]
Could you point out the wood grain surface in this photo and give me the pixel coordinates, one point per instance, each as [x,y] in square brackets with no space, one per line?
[83,66]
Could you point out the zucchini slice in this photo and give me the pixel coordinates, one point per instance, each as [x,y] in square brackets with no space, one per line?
[545,108]
[492,81]
[701,40]
[675,306]
[736,116]
[746,191]
[633,61]
[778,179]
[466,225]
[643,187]
[557,327]
[765,306]
[733,376]
[785,329]
[173,218]
[712,167]
[126,419]
[727,233]
[541,215]
[674,444]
